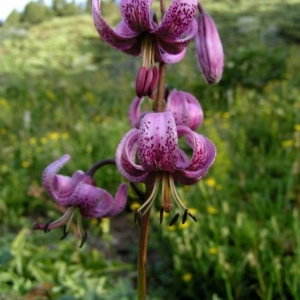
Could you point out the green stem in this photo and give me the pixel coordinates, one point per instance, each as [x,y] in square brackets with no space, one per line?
[142,258]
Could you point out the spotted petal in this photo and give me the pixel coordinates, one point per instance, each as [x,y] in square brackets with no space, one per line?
[158,142]
[204,153]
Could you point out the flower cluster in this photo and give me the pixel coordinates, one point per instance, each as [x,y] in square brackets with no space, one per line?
[150,152]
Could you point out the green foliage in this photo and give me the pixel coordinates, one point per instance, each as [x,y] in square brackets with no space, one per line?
[35,12]
[13,19]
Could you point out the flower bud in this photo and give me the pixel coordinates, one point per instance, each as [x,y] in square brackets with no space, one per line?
[146,82]
[185,108]
[209,48]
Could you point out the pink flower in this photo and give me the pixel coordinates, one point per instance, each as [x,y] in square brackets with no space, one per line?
[151,154]
[209,48]
[139,30]
[185,108]
[79,192]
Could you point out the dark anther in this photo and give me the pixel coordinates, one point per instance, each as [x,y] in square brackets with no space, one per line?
[83,240]
[174,220]
[161,215]
[65,233]
[193,217]
[185,214]
[137,217]
[47,225]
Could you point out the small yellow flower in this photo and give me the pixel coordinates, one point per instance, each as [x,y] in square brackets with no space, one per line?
[183,226]
[211,210]
[287,143]
[25,164]
[210,182]
[134,205]
[297,127]
[97,119]
[226,115]
[213,251]
[32,140]
[187,277]
[3,131]
[43,140]
[208,121]
[65,135]
[193,211]
[53,136]
[171,228]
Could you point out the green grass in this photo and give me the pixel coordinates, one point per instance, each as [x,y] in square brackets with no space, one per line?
[63,91]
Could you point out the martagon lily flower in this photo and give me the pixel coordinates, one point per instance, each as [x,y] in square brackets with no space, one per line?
[79,192]
[139,31]
[185,108]
[151,154]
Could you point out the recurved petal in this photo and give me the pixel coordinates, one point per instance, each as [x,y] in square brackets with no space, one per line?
[136,14]
[204,153]
[123,38]
[93,202]
[120,201]
[162,56]
[158,142]
[177,19]
[50,172]
[63,187]
[126,157]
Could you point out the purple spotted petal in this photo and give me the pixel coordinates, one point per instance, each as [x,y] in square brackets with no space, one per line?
[136,14]
[177,20]
[158,142]
[123,38]
[120,201]
[186,109]
[135,115]
[204,153]
[126,157]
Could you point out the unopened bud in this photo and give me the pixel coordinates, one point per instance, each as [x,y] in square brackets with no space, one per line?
[209,48]
[146,82]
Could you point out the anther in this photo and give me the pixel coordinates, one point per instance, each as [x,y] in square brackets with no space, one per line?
[65,233]
[161,215]
[174,220]
[192,216]
[137,217]
[47,225]
[185,214]
[83,240]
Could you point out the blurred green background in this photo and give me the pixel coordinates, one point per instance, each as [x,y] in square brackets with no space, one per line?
[63,90]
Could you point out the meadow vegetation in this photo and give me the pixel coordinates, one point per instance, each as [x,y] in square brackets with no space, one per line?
[62,90]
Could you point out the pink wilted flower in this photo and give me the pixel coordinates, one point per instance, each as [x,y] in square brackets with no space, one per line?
[151,154]
[139,31]
[209,48]
[185,108]
[79,192]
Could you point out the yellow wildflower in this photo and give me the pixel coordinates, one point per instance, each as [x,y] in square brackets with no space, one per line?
[211,210]
[297,127]
[213,251]
[187,277]
[183,226]
[134,205]
[65,135]
[43,140]
[32,140]
[25,164]
[53,135]
[210,182]
[287,143]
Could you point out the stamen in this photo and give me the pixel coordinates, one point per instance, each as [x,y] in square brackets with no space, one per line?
[47,225]
[185,214]
[137,217]
[83,239]
[193,217]
[174,220]
[66,217]
[65,233]
[161,215]
[149,201]
[174,193]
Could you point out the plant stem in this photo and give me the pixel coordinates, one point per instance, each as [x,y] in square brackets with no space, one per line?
[142,258]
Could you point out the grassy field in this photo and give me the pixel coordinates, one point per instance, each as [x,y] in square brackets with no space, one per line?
[64,91]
